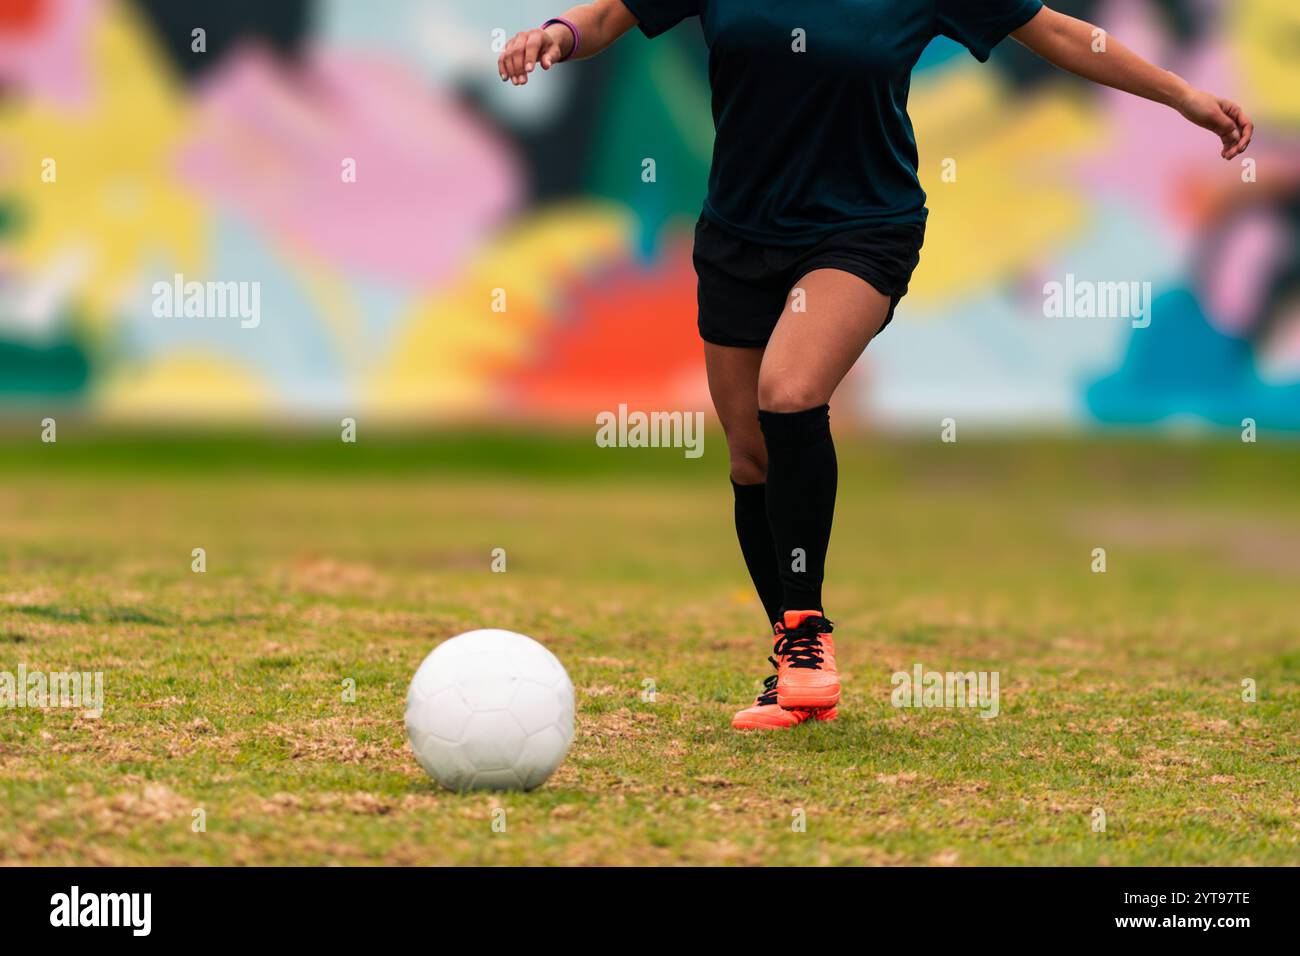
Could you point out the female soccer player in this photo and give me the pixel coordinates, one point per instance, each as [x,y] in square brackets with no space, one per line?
[810,233]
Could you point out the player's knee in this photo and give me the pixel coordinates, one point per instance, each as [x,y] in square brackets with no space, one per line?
[789,394]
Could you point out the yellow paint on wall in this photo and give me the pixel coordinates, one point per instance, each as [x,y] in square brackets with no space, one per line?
[1264,36]
[1013,194]
[453,344]
[184,386]
[116,203]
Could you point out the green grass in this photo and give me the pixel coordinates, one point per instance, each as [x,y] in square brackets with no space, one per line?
[224,690]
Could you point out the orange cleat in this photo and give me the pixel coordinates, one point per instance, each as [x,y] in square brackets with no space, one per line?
[806,676]
[767,714]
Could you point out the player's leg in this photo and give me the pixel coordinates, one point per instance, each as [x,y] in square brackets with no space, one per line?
[733,384]
[807,357]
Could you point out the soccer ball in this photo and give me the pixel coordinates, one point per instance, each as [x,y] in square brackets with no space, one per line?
[490,710]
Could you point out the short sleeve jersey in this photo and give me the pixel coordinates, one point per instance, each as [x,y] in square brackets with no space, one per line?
[810,104]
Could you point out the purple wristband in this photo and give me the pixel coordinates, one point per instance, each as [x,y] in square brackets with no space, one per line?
[577,37]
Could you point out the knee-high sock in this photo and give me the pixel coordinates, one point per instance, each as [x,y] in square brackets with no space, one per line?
[801,479]
[755,535]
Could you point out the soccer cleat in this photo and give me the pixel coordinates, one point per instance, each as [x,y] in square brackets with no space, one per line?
[806,676]
[767,714]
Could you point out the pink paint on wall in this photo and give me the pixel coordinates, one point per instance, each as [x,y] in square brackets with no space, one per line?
[44,49]
[353,160]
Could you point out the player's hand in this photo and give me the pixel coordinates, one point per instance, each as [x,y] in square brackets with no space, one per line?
[524,52]
[1220,116]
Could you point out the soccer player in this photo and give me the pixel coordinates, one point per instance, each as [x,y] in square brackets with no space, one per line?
[810,233]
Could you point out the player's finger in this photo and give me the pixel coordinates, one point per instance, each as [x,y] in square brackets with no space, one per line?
[527,55]
[1222,124]
[508,58]
[1245,128]
[1231,133]
[517,74]
[1247,135]
[533,48]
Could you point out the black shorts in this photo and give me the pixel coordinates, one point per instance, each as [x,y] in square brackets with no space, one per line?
[744,286]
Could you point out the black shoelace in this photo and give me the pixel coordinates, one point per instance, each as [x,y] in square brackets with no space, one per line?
[802,645]
[769,688]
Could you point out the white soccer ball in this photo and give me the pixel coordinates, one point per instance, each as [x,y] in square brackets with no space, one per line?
[490,710]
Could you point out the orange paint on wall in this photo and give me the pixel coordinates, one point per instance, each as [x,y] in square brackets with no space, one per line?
[627,335]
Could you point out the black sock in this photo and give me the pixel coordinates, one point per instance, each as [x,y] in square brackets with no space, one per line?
[757,546]
[801,478]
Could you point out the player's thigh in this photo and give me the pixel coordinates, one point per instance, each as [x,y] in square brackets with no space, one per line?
[812,349]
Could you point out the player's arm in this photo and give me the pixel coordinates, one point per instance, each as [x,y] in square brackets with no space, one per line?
[599,24]
[1085,50]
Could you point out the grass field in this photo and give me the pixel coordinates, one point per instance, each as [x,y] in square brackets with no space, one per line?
[1120,691]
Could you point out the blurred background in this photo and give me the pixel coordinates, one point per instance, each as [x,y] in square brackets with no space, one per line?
[498,256]
[497,275]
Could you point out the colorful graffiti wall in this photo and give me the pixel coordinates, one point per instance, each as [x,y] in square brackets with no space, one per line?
[393,232]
